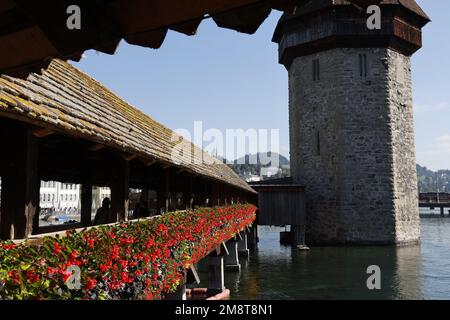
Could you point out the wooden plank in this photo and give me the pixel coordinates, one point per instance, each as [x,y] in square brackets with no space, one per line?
[42,132]
[97,147]
[86,204]
[120,189]
[281,207]
[20,181]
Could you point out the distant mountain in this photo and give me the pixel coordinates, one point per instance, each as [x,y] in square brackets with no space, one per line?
[262,157]
[429,180]
[251,165]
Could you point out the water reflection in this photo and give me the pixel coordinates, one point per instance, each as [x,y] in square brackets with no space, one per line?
[282,272]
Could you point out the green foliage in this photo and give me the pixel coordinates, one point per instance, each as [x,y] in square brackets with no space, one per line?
[429,180]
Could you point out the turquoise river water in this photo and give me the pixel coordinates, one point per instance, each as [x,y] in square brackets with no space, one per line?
[279,272]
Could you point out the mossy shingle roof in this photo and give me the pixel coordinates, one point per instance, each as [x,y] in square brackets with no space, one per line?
[68,101]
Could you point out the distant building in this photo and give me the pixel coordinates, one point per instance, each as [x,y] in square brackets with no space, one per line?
[270,172]
[66,198]
[98,194]
[59,196]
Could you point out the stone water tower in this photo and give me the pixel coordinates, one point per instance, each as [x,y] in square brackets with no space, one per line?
[351,118]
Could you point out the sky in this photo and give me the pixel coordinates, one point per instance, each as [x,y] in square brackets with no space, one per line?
[230,80]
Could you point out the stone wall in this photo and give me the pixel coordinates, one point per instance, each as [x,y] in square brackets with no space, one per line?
[352,146]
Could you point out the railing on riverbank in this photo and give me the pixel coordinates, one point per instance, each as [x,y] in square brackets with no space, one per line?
[444,209]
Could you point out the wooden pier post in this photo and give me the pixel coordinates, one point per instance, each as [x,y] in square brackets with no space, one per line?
[252,237]
[298,235]
[232,259]
[192,278]
[243,250]
[216,273]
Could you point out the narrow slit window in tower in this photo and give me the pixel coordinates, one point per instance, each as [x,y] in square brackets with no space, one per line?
[318,143]
[316,70]
[363,65]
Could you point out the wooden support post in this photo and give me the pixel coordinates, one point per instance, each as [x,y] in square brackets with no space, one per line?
[144,196]
[298,235]
[191,193]
[232,259]
[120,190]
[192,277]
[20,181]
[216,274]
[252,237]
[216,195]
[187,193]
[167,195]
[86,204]
[243,245]
[442,211]
[207,198]
[161,193]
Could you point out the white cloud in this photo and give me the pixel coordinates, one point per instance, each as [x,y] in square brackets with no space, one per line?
[441,106]
[442,145]
[437,155]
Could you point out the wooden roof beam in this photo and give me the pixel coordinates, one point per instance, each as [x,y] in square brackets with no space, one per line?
[148,162]
[97,147]
[129,156]
[42,132]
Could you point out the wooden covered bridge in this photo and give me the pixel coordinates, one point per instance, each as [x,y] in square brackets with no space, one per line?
[64,126]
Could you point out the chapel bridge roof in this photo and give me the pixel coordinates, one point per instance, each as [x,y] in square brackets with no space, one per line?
[69,102]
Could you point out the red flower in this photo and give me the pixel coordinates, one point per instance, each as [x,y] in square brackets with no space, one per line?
[123,263]
[8,246]
[73,255]
[124,276]
[90,243]
[114,285]
[52,271]
[65,275]
[149,296]
[105,267]
[14,276]
[162,229]
[56,248]
[115,252]
[110,235]
[139,273]
[32,277]
[90,284]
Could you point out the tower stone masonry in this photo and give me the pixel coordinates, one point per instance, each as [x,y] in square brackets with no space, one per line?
[351,119]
